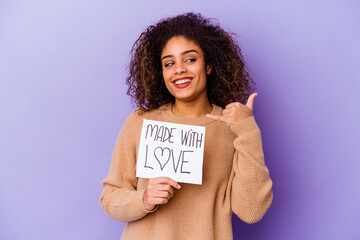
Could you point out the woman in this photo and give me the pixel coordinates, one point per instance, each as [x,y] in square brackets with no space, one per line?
[187,70]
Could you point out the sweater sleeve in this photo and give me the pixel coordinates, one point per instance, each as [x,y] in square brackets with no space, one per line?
[120,197]
[251,193]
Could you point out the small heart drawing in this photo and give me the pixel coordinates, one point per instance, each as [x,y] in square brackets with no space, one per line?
[161,158]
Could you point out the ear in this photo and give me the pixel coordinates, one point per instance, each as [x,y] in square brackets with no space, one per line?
[208,69]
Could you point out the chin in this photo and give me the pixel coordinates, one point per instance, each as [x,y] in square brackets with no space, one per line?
[184,98]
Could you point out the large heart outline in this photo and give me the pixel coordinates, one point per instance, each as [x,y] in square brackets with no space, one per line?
[162,154]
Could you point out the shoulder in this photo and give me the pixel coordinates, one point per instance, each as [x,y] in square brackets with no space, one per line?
[131,129]
[136,118]
[133,120]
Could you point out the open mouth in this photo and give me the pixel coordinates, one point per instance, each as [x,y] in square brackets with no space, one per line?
[182,83]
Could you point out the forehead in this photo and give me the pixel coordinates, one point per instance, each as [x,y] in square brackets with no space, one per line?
[178,44]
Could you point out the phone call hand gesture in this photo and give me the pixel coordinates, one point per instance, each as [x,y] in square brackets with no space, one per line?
[235,112]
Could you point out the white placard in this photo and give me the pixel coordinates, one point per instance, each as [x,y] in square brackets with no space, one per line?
[171,150]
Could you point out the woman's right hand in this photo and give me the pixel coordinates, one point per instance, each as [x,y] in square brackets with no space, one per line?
[159,191]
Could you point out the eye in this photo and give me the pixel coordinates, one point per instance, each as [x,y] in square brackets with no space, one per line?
[169,64]
[190,60]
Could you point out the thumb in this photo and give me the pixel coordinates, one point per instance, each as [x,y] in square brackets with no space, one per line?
[250,101]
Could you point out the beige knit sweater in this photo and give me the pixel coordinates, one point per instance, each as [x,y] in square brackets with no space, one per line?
[235,179]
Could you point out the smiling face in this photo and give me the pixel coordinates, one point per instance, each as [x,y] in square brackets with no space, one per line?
[184,69]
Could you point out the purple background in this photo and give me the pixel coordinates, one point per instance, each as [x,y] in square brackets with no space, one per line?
[63,102]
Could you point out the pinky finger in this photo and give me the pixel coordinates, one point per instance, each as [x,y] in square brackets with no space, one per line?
[161,200]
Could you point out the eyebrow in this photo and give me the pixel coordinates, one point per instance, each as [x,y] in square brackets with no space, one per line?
[183,53]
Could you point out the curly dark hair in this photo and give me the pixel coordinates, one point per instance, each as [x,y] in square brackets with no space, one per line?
[229,80]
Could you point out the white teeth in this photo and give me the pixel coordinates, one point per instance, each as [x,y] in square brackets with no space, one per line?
[182,81]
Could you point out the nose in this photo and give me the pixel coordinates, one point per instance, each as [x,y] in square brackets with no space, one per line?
[180,69]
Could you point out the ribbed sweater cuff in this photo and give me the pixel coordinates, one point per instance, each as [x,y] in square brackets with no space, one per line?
[244,126]
[141,204]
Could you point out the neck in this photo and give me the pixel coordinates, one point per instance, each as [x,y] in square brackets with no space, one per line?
[191,109]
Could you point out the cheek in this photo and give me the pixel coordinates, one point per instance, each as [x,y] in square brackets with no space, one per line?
[201,72]
[166,75]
